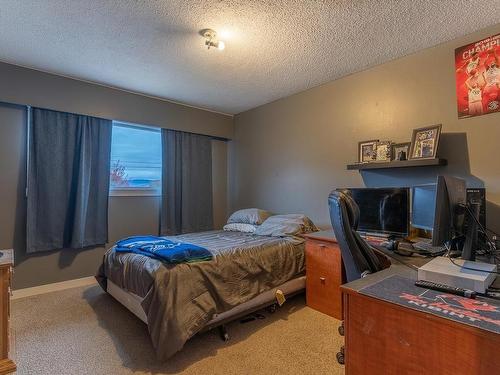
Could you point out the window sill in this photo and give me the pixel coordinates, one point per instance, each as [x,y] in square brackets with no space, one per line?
[134,192]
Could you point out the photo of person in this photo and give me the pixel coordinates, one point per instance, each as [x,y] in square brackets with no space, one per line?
[400,151]
[477,75]
[422,144]
[367,151]
[425,142]
[427,148]
[491,77]
[471,63]
[475,85]
[384,151]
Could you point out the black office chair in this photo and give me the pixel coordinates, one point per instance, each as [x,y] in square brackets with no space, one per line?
[358,256]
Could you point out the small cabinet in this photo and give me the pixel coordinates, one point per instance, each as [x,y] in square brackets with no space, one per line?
[7,366]
[324,276]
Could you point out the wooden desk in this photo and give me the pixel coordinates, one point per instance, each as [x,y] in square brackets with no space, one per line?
[324,273]
[7,366]
[385,338]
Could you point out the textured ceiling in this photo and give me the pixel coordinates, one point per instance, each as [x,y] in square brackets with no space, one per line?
[273,48]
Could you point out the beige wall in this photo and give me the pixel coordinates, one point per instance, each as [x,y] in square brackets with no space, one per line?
[288,155]
[127,215]
[24,86]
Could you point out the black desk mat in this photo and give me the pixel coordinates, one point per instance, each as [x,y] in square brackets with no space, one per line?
[482,313]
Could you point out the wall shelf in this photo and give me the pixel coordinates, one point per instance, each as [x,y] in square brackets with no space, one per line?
[398,164]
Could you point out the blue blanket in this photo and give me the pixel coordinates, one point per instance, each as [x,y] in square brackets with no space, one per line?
[168,251]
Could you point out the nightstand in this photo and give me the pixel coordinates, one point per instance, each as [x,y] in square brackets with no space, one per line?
[324,273]
[7,366]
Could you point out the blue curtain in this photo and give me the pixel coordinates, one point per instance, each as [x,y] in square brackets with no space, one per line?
[68,180]
[186,183]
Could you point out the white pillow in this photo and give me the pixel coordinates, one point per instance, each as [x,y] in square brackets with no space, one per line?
[240,227]
[252,216]
[286,225]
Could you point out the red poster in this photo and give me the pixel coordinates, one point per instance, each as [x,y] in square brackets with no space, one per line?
[478,77]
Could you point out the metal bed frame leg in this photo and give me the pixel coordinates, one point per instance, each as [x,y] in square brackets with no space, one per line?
[271,309]
[224,335]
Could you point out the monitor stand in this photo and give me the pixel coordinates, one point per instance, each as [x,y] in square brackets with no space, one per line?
[471,237]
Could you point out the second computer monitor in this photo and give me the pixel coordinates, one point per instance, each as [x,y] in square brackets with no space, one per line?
[436,207]
[423,206]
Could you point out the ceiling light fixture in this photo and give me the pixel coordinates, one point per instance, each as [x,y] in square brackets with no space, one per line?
[211,39]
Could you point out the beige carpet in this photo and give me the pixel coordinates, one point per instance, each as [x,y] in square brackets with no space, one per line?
[85,331]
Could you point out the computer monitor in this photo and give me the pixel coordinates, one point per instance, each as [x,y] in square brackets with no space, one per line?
[383,210]
[438,207]
[423,206]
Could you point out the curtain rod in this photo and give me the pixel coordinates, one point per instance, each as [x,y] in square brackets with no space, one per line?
[214,137]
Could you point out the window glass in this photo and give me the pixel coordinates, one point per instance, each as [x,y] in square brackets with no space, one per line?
[135,158]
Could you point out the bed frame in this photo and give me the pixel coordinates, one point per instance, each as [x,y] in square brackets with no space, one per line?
[133,303]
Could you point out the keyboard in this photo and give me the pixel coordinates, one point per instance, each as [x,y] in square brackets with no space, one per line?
[427,248]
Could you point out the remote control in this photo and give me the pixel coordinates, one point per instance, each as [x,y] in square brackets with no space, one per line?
[446,288]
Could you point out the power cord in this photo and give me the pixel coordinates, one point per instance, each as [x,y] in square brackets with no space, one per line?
[448,249]
[483,229]
[491,292]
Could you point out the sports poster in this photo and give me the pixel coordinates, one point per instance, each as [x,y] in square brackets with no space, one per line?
[477,68]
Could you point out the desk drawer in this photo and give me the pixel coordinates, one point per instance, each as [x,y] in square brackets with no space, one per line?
[324,277]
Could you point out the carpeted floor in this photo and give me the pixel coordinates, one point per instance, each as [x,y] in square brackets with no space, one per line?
[85,331]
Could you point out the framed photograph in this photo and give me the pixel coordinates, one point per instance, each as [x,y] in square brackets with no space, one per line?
[424,142]
[384,151]
[400,151]
[367,151]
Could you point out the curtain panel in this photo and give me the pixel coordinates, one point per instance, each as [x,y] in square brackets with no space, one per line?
[186,183]
[68,180]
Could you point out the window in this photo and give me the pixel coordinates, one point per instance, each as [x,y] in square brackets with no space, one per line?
[135,160]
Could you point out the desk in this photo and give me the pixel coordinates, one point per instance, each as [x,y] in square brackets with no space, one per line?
[386,338]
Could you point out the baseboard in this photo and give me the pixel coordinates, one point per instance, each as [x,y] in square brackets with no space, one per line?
[54,287]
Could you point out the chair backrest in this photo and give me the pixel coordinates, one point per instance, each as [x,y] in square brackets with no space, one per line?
[357,255]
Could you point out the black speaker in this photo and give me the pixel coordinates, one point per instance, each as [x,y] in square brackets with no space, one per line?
[477,196]
[476,200]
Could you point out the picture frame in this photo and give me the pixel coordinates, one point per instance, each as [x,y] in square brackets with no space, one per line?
[367,151]
[384,151]
[425,142]
[397,148]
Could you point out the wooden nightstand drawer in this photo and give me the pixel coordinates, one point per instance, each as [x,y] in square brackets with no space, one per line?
[321,254]
[324,277]
[6,262]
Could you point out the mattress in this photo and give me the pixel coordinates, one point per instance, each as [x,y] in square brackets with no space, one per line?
[133,302]
[178,301]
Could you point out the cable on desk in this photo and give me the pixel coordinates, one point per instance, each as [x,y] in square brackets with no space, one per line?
[481,227]
[494,294]
[448,248]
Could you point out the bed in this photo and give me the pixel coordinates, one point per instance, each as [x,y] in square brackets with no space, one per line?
[178,301]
